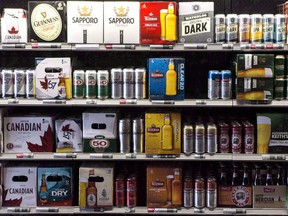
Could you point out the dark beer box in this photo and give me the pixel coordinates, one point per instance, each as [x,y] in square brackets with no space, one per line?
[47,21]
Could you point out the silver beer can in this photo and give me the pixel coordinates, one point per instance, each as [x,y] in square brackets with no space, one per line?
[128,83]
[211,193]
[268,28]
[140,83]
[220,28]
[19,83]
[103,84]
[244,28]
[232,28]
[211,138]
[116,83]
[138,135]
[188,139]
[30,83]
[7,86]
[199,138]
[280,28]
[125,135]
[199,192]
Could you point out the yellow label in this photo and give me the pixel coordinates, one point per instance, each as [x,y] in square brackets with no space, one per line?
[68,86]
[82,194]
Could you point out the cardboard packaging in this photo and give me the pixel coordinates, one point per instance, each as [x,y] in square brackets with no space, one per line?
[164,187]
[166,78]
[47,21]
[162,133]
[54,186]
[100,132]
[121,22]
[96,187]
[20,186]
[84,22]
[196,22]
[14,25]
[53,78]
[28,134]
[272,196]
[155,22]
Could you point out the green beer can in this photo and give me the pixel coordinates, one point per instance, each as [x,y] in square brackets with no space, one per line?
[78,84]
[103,84]
[90,84]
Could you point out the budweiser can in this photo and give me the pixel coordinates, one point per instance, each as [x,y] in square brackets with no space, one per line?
[116,83]
[199,138]
[140,83]
[102,83]
[211,193]
[244,28]
[199,192]
[19,83]
[78,84]
[138,135]
[128,83]
[224,137]
[249,137]
[30,83]
[90,84]
[120,190]
[131,191]
[188,191]
[211,138]
[188,139]
[125,135]
[236,137]
[7,86]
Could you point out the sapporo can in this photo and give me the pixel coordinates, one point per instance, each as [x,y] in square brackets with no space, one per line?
[280,28]
[188,139]
[90,84]
[131,191]
[199,192]
[214,79]
[256,34]
[120,191]
[19,83]
[232,28]
[244,28]
[226,84]
[199,138]
[223,137]
[79,84]
[7,86]
[128,83]
[249,137]
[103,84]
[211,138]
[138,135]
[236,137]
[188,191]
[140,83]
[268,28]
[279,88]
[211,193]
[116,83]
[30,83]
[220,28]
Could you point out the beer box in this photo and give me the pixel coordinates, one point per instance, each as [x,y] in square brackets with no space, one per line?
[54,186]
[166,78]
[162,133]
[14,25]
[28,134]
[87,18]
[49,78]
[99,132]
[121,22]
[20,186]
[96,187]
[272,196]
[68,135]
[47,21]
[164,187]
[154,24]
[272,133]
[234,196]
[196,22]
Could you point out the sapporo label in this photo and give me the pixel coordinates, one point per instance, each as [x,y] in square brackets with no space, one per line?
[46,22]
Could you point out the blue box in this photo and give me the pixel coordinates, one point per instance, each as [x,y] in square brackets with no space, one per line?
[164,83]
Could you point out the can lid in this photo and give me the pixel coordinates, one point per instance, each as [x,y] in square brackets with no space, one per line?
[268,15]
[256,15]
[243,15]
[219,15]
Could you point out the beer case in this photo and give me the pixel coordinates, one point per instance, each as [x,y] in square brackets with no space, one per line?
[160,192]
[166,83]
[153,22]
[28,134]
[159,139]
[196,22]
[48,73]
[20,186]
[68,135]
[14,25]
[58,190]
[100,132]
[102,179]
[47,21]
[87,18]
[121,22]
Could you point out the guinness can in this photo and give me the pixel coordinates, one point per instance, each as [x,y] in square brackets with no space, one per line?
[140,83]
[128,83]
[125,135]
[138,135]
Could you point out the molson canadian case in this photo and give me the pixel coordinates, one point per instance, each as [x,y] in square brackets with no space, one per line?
[20,186]
[14,25]
[121,22]
[28,134]
[84,22]
[47,21]
[196,22]
[54,186]
[158,22]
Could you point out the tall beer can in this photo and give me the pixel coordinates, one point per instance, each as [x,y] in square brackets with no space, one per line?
[188,200]
[90,83]
[116,83]
[244,28]
[199,192]
[1,83]
[78,84]
[236,137]
[103,84]
[30,83]
[256,33]
[280,28]
[211,138]
[19,83]
[224,137]
[220,28]
[232,28]
[214,80]
[131,191]
[199,138]
[140,83]
[120,191]
[138,135]
[125,135]
[211,193]
[7,86]
[226,84]
[128,83]
[249,137]
[188,139]
[268,28]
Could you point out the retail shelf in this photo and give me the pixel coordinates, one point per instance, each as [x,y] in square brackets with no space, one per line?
[260,157]
[36,156]
[37,210]
[273,103]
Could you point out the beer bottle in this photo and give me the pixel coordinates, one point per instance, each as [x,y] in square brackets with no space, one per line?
[43,190]
[223,176]
[176,188]
[246,177]
[235,178]
[62,87]
[258,178]
[91,191]
[269,180]
[280,176]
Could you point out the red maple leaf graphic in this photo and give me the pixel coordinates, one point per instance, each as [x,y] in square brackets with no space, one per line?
[47,142]
[44,84]
[13,31]
[10,202]
[67,128]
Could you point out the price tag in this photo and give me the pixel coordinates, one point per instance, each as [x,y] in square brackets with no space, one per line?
[24,155]
[201,102]
[162,156]
[54,101]
[160,46]
[13,101]
[129,210]
[195,46]
[87,46]
[47,209]
[91,101]
[273,157]
[196,210]
[227,46]
[13,45]
[17,209]
[200,156]
[131,155]
[128,101]
[65,155]
[100,155]
[163,102]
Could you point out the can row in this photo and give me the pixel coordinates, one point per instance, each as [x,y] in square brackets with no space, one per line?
[125,83]
[254,28]
[220,84]
[281,88]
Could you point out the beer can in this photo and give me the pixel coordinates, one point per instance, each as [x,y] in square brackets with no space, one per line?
[232,28]
[256,34]
[79,84]
[125,135]
[244,28]
[249,137]
[138,135]
[226,84]
[279,88]
[188,139]
[211,193]
[1,83]
[286,88]
[128,83]
[280,28]
[223,137]
[30,83]
[140,83]
[120,191]
[279,70]
[102,83]
[7,86]
[131,191]
[90,84]
[188,200]
[220,28]
[199,138]
[236,137]
[268,28]
[211,138]
[214,79]
[199,192]
[19,83]
[116,83]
